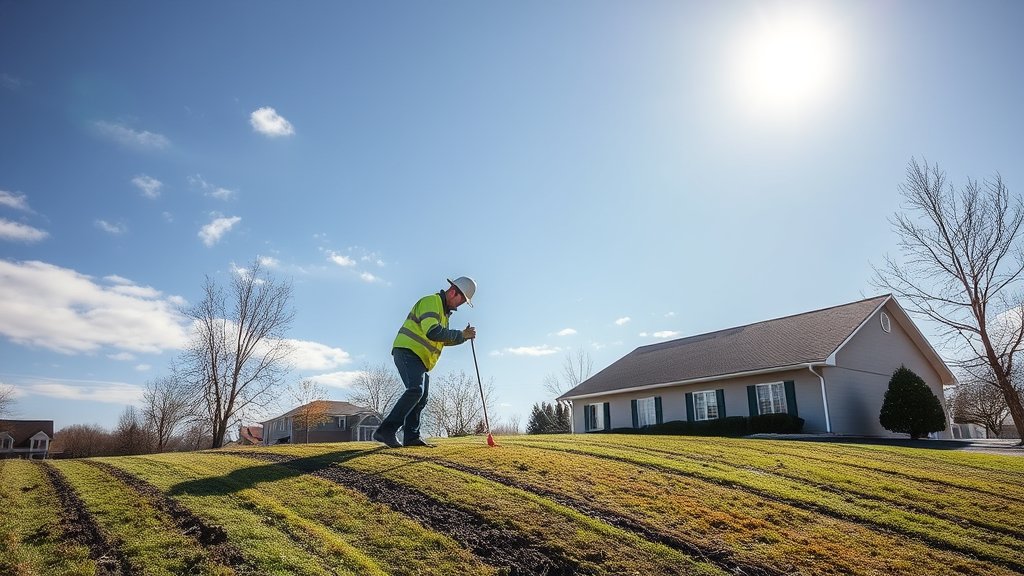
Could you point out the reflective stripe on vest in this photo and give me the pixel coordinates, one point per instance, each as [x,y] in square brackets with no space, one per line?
[427,313]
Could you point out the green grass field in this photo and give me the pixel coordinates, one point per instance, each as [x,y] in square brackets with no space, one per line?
[585,504]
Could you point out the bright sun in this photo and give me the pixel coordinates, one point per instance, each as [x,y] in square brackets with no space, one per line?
[786,65]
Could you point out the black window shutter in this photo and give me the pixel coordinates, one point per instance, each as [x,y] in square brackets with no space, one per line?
[720,397]
[689,407]
[588,423]
[790,397]
[607,416]
[657,409]
[752,399]
[636,418]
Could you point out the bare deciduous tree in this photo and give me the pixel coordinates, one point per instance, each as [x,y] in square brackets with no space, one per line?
[962,260]
[165,406]
[6,399]
[313,410]
[131,435]
[979,402]
[576,368]
[82,441]
[377,387]
[238,355]
[453,405]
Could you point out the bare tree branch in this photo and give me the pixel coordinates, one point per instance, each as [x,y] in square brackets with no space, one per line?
[957,271]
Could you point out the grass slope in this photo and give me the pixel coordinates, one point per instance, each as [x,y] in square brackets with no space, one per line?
[598,504]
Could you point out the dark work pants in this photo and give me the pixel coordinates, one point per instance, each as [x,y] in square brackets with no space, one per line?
[406,412]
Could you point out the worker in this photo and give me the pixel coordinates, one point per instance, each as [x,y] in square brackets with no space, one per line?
[416,350]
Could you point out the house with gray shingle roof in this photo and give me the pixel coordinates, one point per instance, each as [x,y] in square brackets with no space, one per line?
[346,422]
[830,367]
[25,438]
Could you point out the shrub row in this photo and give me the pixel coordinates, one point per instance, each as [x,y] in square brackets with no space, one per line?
[731,426]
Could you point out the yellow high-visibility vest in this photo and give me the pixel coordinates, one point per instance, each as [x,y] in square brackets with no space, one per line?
[427,313]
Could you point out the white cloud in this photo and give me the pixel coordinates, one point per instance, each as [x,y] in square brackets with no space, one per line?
[168,216]
[670,315]
[267,121]
[143,367]
[566,332]
[109,392]
[149,186]
[222,193]
[622,321]
[337,379]
[308,355]
[666,334]
[20,232]
[340,259]
[14,200]
[367,277]
[544,350]
[110,228]
[122,356]
[126,136]
[269,261]
[60,309]
[13,82]
[212,232]
[218,192]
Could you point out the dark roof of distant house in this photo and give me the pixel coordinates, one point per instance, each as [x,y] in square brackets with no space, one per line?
[334,408]
[809,337]
[251,433]
[23,430]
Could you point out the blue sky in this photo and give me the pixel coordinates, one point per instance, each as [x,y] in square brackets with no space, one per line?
[611,173]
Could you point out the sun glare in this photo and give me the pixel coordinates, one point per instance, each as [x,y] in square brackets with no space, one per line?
[787,65]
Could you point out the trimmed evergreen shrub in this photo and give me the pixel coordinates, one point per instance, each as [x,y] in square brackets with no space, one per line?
[910,406]
[775,424]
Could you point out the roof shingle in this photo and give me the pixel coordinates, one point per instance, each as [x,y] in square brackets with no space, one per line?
[791,340]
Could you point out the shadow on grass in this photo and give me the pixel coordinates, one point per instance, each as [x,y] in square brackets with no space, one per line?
[270,471]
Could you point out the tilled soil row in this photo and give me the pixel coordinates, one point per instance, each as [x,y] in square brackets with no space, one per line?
[76,523]
[211,537]
[723,558]
[496,546]
[824,511]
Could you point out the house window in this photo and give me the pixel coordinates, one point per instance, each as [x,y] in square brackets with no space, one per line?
[646,415]
[341,422]
[39,444]
[594,416]
[280,425]
[886,324]
[771,398]
[6,443]
[705,405]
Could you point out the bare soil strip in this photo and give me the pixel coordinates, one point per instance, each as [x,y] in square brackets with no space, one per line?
[722,557]
[76,523]
[211,537]
[496,546]
[933,542]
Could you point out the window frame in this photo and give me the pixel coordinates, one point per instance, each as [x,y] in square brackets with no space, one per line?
[642,412]
[713,394]
[770,386]
[597,420]
[341,422]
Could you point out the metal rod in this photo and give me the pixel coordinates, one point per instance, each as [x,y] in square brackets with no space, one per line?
[480,383]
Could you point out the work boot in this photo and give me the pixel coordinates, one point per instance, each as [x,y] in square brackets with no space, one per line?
[387,438]
[418,442]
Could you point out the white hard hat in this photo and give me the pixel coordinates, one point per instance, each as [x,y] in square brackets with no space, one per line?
[466,285]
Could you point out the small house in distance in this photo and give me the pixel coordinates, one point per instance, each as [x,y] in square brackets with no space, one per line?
[25,438]
[343,422]
[830,367]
